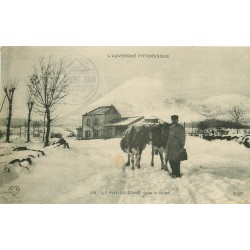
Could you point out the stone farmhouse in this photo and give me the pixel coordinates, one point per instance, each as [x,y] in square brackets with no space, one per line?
[106,122]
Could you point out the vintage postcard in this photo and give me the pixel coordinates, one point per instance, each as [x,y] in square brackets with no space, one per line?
[119,125]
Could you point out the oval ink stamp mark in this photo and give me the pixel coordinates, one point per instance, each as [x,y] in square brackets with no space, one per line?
[84,79]
[14,190]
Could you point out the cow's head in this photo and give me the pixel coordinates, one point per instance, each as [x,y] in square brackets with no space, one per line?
[165,129]
[142,135]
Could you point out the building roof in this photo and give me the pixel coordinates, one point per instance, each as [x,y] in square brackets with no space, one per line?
[100,110]
[149,121]
[150,118]
[125,121]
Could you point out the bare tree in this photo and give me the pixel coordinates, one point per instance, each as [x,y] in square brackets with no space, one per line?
[30,104]
[48,85]
[36,125]
[25,128]
[237,114]
[9,89]
[202,126]
[2,104]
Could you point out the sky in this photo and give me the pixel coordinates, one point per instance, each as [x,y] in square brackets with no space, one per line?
[195,73]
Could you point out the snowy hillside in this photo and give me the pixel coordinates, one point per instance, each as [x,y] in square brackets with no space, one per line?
[144,96]
[150,97]
[223,103]
[227,100]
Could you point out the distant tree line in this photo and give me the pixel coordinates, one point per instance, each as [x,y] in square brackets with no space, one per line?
[20,126]
[216,123]
[236,114]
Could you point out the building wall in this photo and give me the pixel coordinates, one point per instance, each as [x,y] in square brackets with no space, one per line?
[79,134]
[111,115]
[99,129]
[120,131]
[115,131]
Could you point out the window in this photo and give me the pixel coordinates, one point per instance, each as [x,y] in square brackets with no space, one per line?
[95,134]
[96,121]
[87,133]
[88,122]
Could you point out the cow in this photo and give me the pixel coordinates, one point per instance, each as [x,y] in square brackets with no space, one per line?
[134,142]
[159,138]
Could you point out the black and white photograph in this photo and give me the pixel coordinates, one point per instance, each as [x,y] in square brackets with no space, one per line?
[125,125]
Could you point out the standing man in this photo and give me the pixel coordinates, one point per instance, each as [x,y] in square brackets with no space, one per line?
[176,142]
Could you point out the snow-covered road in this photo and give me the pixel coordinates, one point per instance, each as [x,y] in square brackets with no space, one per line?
[93,172]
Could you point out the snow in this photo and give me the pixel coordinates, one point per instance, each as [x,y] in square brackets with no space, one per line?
[93,171]
[227,100]
[147,96]
[149,93]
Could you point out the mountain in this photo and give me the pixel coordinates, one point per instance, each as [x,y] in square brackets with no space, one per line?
[220,105]
[150,97]
[142,96]
[225,101]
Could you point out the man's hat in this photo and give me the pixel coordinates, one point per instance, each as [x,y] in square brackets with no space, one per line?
[174,117]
